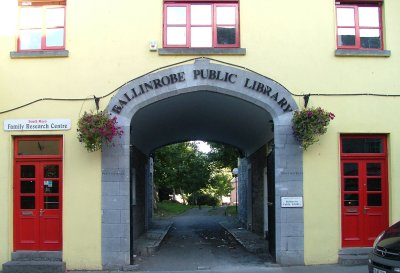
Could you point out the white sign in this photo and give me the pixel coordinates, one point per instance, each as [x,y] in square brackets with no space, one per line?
[292,202]
[37,124]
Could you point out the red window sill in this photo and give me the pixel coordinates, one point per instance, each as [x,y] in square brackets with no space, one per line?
[39,54]
[362,53]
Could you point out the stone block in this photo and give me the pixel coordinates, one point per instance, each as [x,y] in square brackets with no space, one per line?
[115,202]
[34,267]
[111,217]
[112,244]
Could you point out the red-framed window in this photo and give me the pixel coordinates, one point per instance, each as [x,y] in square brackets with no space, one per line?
[205,24]
[359,24]
[37,147]
[41,25]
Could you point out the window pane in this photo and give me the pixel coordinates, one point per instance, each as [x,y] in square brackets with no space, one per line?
[226,35]
[176,36]
[31,18]
[30,39]
[55,17]
[51,186]
[226,15]
[351,184]
[27,202]
[362,145]
[374,184]
[351,200]
[28,186]
[350,169]
[370,38]
[27,171]
[39,147]
[345,17]
[176,15]
[346,37]
[368,16]
[51,171]
[374,169]
[55,37]
[51,202]
[201,37]
[200,15]
[374,199]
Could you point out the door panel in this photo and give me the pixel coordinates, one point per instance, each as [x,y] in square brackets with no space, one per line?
[364,201]
[38,205]
[25,203]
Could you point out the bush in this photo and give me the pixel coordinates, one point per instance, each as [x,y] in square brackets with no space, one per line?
[202,199]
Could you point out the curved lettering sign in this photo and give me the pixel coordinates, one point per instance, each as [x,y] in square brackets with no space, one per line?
[238,81]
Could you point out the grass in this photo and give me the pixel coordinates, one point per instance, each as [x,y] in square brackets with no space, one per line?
[167,208]
[231,211]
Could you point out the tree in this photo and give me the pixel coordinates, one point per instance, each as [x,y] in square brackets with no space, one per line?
[220,183]
[180,168]
[224,155]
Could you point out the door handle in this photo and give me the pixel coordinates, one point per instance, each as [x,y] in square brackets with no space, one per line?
[366,210]
[41,211]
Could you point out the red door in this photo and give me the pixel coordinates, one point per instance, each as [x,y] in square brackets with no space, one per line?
[38,205]
[364,199]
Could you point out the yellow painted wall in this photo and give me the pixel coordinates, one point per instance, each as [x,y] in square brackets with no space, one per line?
[108,46]
[322,169]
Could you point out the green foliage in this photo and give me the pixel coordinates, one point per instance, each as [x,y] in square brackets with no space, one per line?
[94,128]
[167,208]
[231,211]
[310,123]
[181,168]
[224,155]
[219,184]
[203,199]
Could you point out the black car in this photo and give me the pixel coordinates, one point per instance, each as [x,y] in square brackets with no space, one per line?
[385,257]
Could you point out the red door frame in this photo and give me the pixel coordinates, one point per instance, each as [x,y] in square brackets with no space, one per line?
[38,228]
[361,222]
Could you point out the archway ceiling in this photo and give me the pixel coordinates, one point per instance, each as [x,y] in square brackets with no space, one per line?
[201,115]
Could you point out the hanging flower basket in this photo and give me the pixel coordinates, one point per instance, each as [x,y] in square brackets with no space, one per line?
[309,124]
[93,129]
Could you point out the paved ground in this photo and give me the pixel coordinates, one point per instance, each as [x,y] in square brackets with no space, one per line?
[258,269]
[198,243]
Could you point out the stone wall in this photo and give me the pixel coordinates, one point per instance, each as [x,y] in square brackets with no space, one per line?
[138,212]
[258,163]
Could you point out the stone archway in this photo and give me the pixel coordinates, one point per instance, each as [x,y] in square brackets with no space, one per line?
[188,79]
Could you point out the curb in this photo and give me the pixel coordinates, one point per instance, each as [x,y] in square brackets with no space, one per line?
[150,242]
[250,241]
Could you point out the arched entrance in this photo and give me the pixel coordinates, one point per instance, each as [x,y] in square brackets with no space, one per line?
[207,101]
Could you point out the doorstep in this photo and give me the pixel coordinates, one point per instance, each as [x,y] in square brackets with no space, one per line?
[354,255]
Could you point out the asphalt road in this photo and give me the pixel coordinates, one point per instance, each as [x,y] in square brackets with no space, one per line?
[197,242]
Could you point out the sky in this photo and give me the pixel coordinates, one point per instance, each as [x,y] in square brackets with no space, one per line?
[203,146]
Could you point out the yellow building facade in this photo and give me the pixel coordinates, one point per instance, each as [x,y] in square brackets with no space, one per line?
[102,49]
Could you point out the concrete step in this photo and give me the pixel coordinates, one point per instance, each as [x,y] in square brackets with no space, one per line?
[150,242]
[34,267]
[354,255]
[36,256]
